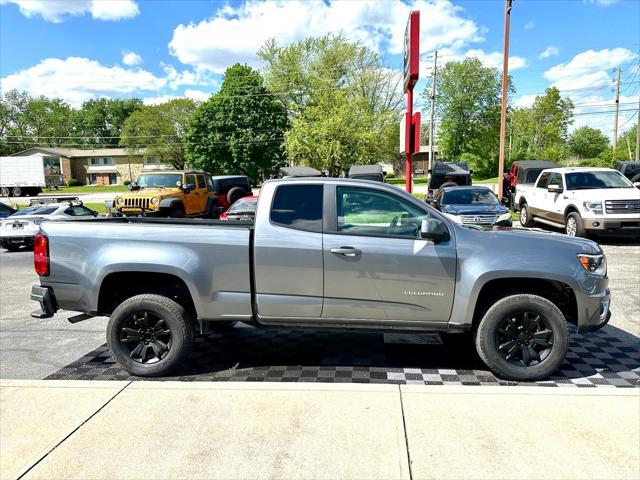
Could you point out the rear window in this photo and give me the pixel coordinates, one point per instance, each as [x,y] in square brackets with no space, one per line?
[78,211]
[298,207]
[36,211]
[201,182]
[542,183]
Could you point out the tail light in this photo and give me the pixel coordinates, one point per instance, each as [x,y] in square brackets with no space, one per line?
[41,254]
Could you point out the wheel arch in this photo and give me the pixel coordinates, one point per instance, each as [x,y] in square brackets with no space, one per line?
[559,293]
[171,203]
[569,209]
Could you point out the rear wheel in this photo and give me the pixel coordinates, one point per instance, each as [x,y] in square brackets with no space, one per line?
[150,335]
[573,225]
[235,194]
[523,337]
[635,178]
[5,192]
[16,192]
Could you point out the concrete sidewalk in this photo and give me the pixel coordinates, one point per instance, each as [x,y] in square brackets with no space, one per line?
[85,430]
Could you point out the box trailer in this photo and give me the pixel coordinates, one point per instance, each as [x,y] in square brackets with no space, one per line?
[29,175]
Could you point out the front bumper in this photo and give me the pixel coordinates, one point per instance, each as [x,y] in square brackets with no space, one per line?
[628,223]
[44,296]
[594,311]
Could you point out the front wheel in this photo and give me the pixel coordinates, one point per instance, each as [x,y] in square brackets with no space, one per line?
[150,335]
[523,337]
[573,225]
[526,220]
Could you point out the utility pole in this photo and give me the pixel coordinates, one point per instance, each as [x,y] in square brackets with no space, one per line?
[503,113]
[433,113]
[638,131]
[615,118]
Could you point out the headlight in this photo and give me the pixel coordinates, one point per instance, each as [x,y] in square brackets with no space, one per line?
[504,217]
[120,201]
[594,207]
[154,201]
[595,264]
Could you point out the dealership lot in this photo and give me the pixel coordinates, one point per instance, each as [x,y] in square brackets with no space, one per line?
[54,348]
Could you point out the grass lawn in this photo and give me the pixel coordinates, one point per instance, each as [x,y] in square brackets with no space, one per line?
[88,189]
[486,180]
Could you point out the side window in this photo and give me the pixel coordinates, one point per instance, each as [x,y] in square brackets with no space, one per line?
[210,186]
[78,210]
[201,182]
[190,179]
[542,181]
[363,211]
[555,179]
[298,207]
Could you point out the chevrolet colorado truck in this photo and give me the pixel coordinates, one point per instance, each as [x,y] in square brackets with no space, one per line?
[324,253]
[582,200]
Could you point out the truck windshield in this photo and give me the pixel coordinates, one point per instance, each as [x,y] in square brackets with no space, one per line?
[35,211]
[468,196]
[597,179]
[167,180]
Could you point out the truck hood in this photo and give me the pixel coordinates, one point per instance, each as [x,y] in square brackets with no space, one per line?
[474,209]
[606,194]
[546,238]
[151,192]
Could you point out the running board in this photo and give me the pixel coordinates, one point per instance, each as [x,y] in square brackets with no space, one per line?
[79,318]
[548,222]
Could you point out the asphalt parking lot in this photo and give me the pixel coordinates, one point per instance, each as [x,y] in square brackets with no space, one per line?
[54,348]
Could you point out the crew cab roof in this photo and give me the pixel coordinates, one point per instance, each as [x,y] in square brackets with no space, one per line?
[366,170]
[579,169]
[526,164]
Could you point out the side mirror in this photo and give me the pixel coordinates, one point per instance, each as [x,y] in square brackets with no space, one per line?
[179,184]
[470,172]
[554,189]
[434,230]
[133,186]
[188,187]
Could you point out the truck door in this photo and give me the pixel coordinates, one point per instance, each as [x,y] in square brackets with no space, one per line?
[201,193]
[553,201]
[537,204]
[376,266]
[288,252]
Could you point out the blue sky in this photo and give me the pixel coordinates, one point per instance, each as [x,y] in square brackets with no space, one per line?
[80,49]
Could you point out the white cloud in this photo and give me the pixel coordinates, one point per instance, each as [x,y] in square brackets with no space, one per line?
[131,59]
[197,95]
[56,10]
[529,25]
[603,3]
[77,79]
[524,101]
[235,34]
[160,99]
[550,51]
[488,59]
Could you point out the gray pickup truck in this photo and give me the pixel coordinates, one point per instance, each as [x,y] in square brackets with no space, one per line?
[324,253]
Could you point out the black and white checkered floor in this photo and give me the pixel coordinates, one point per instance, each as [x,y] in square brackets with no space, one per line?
[248,354]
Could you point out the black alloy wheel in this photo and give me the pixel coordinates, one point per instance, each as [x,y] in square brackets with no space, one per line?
[524,338]
[146,336]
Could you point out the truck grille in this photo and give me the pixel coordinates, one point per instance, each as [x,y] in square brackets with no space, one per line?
[137,203]
[622,206]
[478,219]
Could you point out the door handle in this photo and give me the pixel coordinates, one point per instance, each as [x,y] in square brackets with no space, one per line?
[346,251]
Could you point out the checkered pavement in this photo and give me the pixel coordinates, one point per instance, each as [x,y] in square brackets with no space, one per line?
[244,353]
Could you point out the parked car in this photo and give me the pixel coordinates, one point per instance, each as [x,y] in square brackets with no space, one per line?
[523,172]
[242,210]
[581,200]
[6,210]
[18,229]
[367,172]
[180,193]
[317,258]
[448,173]
[298,172]
[29,175]
[631,170]
[476,205]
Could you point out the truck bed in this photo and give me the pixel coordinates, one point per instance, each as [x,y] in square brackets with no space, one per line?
[210,256]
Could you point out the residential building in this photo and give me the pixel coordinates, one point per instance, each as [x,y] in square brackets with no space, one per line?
[100,166]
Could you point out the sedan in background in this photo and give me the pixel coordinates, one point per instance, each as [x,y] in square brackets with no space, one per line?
[18,229]
[242,210]
[473,205]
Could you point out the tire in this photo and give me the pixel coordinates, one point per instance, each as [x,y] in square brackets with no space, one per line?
[17,192]
[635,178]
[176,212]
[5,192]
[235,194]
[162,314]
[499,325]
[573,225]
[526,220]
[11,247]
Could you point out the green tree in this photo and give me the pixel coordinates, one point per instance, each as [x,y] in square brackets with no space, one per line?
[540,132]
[27,121]
[468,103]
[343,102]
[100,121]
[160,130]
[587,142]
[239,129]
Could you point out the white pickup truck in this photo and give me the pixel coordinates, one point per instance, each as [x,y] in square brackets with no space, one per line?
[581,200]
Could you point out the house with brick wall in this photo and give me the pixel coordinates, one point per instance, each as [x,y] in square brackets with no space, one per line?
[100,166]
